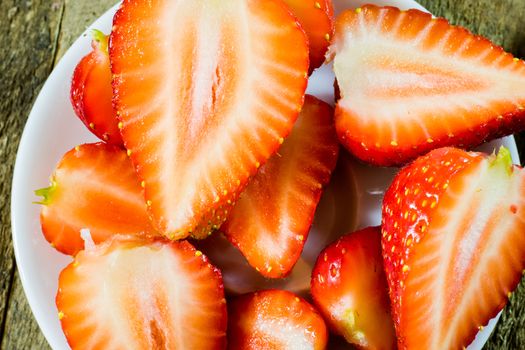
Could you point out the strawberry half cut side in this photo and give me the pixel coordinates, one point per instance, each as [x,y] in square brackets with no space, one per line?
[205,93]
[453,245]
[410,83]
[93,187]
[274,319]
[134,294]
[271,220]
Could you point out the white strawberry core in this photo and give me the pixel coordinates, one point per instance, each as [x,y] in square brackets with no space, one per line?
[286,332]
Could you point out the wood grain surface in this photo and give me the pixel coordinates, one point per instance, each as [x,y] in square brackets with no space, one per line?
[36,33]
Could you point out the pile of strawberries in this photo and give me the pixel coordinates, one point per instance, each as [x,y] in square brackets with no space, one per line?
[206,127]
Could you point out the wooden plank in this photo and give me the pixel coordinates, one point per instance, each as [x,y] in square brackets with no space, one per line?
[35,39]
[22,331]
[29,34]
[78,15]
[500,21]
[510,331]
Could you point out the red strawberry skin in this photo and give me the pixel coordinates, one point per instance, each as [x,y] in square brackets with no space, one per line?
[271,220]
[91,92]
[129,293]
[392,106]
[93,187]
[453,245]
[192,82]
[274,319]
[349,288]
[317,20]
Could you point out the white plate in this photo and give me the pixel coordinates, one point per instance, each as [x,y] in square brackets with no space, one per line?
[52,129]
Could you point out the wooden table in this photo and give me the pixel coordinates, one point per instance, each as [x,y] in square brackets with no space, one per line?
[36,33]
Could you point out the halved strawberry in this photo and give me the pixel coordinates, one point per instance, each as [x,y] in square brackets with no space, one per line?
[91,92]
[134,294]
[453,245]
[93,187]
[410,83]
[349,288]
[271,220]
[274,319]
[317,19]
[206,92]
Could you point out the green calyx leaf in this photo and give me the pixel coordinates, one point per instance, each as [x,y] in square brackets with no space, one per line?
[100,40]
[46,193]
[352,326]
[503,159]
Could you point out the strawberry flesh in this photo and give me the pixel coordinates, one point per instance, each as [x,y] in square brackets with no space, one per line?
[205,92]
[274,319]
[271,220]
[91,92]
[93,187]
[410,83]
[453,245]
[134,294]
[349,288]
[317,19]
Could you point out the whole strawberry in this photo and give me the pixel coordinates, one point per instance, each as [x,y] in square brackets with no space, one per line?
[349,288]
[91,92]
[453,245]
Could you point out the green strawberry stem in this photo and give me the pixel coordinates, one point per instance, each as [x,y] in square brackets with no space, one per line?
[100,40]
[503,159]
[46,193]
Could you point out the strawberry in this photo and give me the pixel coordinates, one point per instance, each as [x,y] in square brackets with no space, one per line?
[270,221]
[349,288]
[453,245]
[317,20]
[93,187]
[410,83]
[91,92]
[205,93]
[274,319]
[134,294]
